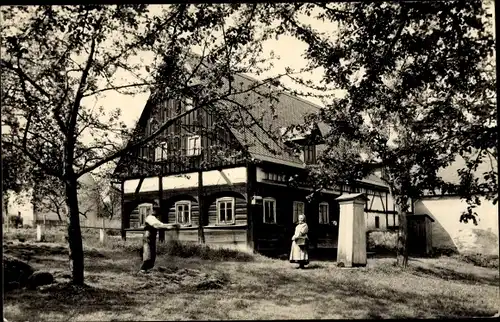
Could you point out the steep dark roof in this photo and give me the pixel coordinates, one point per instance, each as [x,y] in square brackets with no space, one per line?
[290,110]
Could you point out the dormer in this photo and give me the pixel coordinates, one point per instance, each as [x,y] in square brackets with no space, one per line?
[305,136]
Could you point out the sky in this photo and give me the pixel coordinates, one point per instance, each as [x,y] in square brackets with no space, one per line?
[288,48]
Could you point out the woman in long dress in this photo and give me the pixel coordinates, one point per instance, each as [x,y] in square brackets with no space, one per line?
[300,240]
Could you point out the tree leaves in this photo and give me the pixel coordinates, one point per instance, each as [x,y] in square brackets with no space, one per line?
[419,63]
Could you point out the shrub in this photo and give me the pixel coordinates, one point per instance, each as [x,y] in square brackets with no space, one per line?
[20,233]
[175,248]
[443,251]
[489,261]
[382,241]
[113,232]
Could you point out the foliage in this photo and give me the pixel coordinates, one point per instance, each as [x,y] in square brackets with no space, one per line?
[13,170]
[382,241]
[420,90]
[443,251]
[187,250]
[15,221]
[489,261]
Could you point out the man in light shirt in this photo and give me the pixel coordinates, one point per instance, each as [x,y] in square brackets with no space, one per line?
[152,224]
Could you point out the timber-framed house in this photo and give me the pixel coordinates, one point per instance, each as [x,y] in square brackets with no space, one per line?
[246,199]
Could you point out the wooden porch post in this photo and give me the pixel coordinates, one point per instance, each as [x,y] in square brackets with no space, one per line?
[251,179]
[161,233]
[201,233]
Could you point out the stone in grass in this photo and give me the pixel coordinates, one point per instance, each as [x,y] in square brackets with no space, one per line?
[39,279]
[210,284]
[16,272]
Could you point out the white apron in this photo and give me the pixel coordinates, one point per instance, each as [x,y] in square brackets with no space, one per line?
[299,253]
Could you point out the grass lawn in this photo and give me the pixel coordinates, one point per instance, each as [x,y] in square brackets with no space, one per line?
[258,288]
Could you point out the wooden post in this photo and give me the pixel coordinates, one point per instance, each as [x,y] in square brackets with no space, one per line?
[161,233]
[351,249]
[251,178]
[40,232]
[102,233]
[201,233]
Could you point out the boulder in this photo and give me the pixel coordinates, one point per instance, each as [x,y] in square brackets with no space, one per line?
[16,272]
[39,279]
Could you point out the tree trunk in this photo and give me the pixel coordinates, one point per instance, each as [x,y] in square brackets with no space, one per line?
[58,212]
[6,211]
[74,231]
[402,245]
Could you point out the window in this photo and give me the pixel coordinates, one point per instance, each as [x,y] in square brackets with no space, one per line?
[310,154]
[144,211]
[324,215]
[189,104]
[225,211]
[161,151]
[194,145]
[377,222]
[183,213]
[269,210]
[298,209]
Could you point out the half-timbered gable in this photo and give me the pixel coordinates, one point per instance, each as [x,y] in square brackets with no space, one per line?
[194,139]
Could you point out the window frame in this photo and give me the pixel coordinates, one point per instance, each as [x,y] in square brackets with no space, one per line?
[295,217]
[144,210]
[233,208]
[162,147]
[309,151]
[320,221]
[377,222]
[191,151]
[183,203]
[273,200]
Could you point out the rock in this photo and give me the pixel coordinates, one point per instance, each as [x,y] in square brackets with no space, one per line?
[39,279]
[210,284]
[16,271]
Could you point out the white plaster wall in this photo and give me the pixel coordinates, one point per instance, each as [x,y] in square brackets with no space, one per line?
[379,204]
[449,232]
[189,180]
[370,220]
